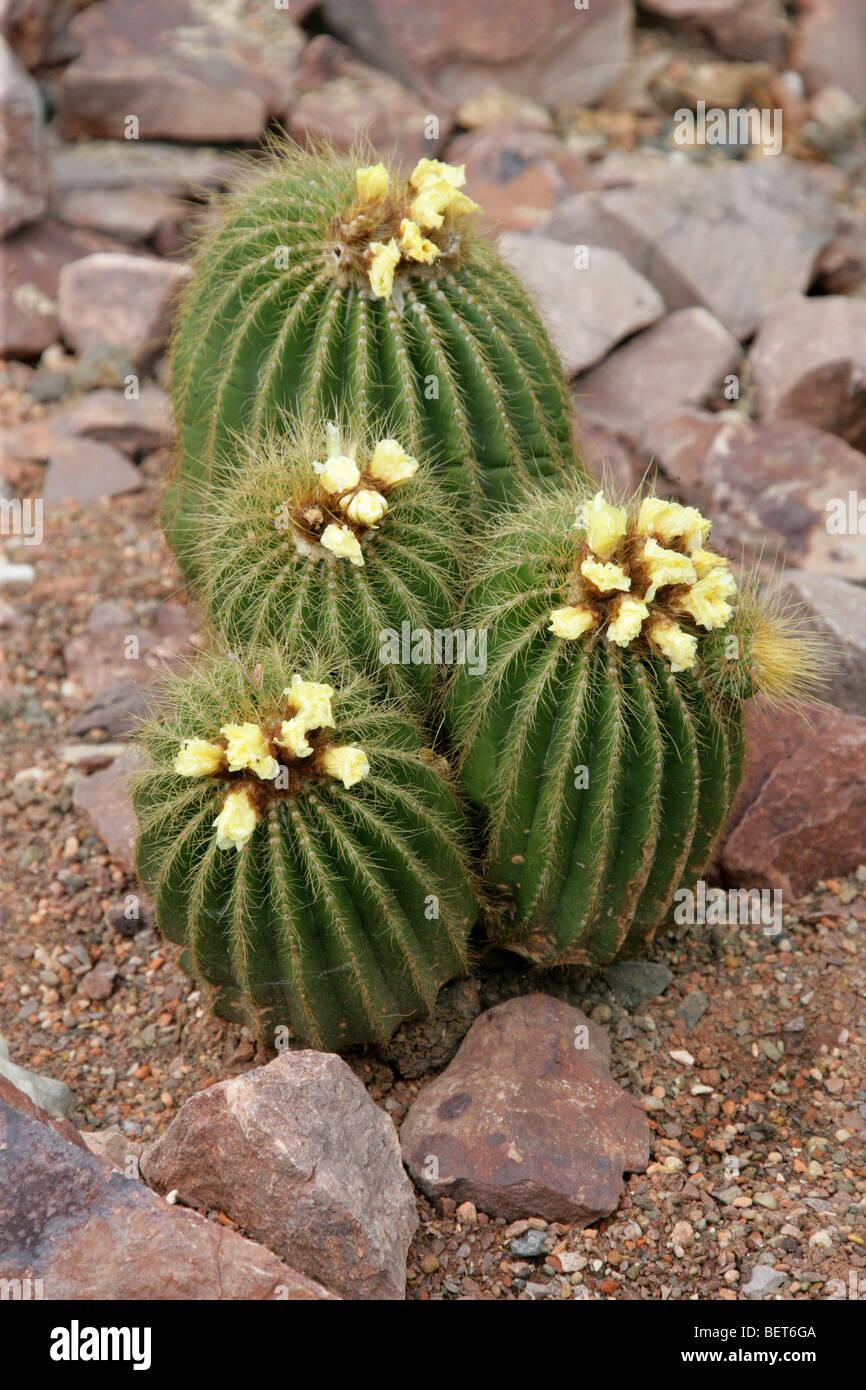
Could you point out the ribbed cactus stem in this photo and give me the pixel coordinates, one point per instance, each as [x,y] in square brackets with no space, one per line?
[603,746]
[332,898]
[291,310]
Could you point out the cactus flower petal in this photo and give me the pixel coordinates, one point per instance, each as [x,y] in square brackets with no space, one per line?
[391,464]
[571,621]
[339,474]
[247,748]
[236,821]
[670,521]
[606,577]
[665,567]
[707,601]
[366,507]
[673,642]
[625,626]
[198,758]
[372,183]
[605,525]
[343,543]
[414,246]
[383,262]
[347,762]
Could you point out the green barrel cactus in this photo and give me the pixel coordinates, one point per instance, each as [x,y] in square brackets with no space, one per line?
[319,536]
[304,849]
[326,288]
[604,744]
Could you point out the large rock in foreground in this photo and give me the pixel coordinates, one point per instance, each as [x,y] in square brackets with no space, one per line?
[88,1232]
[526,1121]
[300,1157]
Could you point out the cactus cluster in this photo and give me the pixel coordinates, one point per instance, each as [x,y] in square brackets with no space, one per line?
[374,437]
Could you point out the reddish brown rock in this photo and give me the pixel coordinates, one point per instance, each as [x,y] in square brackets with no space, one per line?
[808,362]
[300,1157]
[746,29]
[120,299]
[733,240]
[103,799]
[115,647]
[12,1095]
[25,24]
[607,455]
[526,1121]
[801,814]
[550,50]
[30,265]
[80,470]
[497,106]
[88,1232]
[341,100]
[837,609]
[129,214]
[678,362]
[590,302]
[133,424]
[187,70]
[23,161]
[830,46]
[781,490]
[105,166]
[518,176]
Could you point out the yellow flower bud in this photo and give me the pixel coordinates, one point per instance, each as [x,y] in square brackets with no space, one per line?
[705,561]
[343,543]
[236,821]
[339,474]
[706,601]
[606,577]
[346,762]
[383,263]
[427,170]
[626,624]
[665,567]
[366,507]
[372,183]
[198,758]
[293,734]
[391,464]
[247,748]
[605,525]
[678,646]
[414,246]
[571,621]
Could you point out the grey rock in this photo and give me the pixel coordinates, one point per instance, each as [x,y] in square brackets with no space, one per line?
[530,1245]
[53,1096]
[837,609]
[635,981]
[764,1280]
[693,1007]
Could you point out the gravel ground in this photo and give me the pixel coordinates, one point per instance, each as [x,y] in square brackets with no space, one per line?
[750,1062]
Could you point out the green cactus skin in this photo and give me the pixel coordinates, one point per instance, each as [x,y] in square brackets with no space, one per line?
[322,920]
[456,357]
[587,865]
[259,589]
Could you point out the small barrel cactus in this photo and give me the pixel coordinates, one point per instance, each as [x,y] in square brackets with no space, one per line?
[320,536]
[604,742]
[328,288]
[304,849]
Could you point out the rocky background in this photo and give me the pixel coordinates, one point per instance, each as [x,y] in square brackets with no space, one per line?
[716,328]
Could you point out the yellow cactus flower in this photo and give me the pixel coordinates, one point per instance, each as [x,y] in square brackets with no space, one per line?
[665,567]
[673,642]
[572,621]
[414,246]
[366,507]
[605,525]
[347,762]
[705,561]
[372,183]
[339,474]
[247,748]
[391,464]
[707,601]
[236,821]
[427,170]
[383,262]
[625,626]
[198,758]
[314,699]
[606,577]
[343,543]
[670,521]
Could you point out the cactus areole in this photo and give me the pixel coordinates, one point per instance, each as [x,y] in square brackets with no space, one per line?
[330,287]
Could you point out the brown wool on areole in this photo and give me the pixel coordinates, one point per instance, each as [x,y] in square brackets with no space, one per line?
[320,509]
